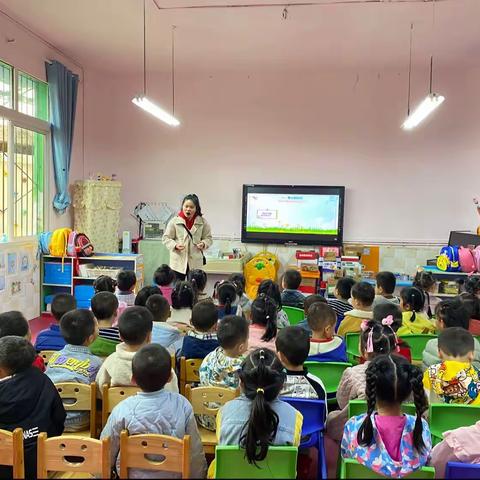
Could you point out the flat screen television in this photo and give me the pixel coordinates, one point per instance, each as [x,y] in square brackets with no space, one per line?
[293,214]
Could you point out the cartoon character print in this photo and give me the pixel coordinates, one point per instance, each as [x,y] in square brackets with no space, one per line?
[463,388]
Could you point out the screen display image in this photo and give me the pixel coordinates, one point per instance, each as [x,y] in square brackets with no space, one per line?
[292,214]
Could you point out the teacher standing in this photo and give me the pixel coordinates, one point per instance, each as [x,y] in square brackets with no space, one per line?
[187,235]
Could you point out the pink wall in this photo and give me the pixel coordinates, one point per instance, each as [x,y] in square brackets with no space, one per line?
[299,128]
[29,53]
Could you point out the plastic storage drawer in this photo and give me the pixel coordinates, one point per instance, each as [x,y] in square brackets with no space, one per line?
[58,274]
[83,294]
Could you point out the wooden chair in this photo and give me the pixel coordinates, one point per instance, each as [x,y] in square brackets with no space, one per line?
[85,400]
[201,399]
[174,453]
[11,451]
[54,455]
[189,372]
[46,354]
[112,396]
[174,361]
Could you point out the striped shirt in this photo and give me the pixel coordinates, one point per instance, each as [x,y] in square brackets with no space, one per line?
[109,333]
[340,306]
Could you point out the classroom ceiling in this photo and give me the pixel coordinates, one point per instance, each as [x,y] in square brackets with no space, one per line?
[108,34]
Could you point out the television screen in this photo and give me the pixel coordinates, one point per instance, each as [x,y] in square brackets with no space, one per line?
[296,214]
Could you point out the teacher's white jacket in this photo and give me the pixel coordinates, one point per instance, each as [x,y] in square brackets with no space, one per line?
[191,256]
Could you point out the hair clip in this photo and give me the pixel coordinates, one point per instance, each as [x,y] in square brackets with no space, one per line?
[260,390]
[364,326]
[370,341]
[262,355]
[387,321]
[267,317]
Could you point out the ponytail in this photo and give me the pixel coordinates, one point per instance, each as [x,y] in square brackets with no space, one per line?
[228,306]
[227,294]
[264,312]
[365,432]
[429,308]
[421,405]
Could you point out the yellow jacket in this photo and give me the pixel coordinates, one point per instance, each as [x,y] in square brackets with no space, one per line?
[352,321]
[421,324]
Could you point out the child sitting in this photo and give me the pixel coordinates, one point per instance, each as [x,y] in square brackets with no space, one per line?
[258,418]
[449,313]
[104,307]
[154,410]
[198,279]
[164,278]
[144,294]
[202,339]
[455,379]
[135,328]
[292,349]
[14,323]
[325,346]
[384,288]
[363,295]
[226,296]
[51,338]
[126,281]
[309,301]
[162,333]
[238,279]
[29,400]
[426,283]
[104,283]
[291,296]
[263,329]
[343,293]
[471,299]
[384,439]
[414,320]
[183,299]
[75,363]
[272,290]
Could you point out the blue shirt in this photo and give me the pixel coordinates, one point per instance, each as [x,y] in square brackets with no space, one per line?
[50,339]
[292,298]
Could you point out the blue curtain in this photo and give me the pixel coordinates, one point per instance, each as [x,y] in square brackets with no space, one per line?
[63,88]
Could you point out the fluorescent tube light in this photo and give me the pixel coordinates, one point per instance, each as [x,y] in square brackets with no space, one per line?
[431,102]
[150,107]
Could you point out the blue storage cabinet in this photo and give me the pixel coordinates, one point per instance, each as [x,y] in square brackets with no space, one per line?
[57,273]
[83,294]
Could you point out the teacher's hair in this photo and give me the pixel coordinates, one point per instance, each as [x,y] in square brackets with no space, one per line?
[193,198]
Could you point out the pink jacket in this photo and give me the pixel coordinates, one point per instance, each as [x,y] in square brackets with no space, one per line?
[255,339]
[460,445]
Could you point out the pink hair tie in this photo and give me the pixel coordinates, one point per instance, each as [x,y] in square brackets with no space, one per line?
[370,341]
[364,325]
[388,320]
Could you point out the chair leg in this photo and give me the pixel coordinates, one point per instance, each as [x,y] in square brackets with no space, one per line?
[321,460]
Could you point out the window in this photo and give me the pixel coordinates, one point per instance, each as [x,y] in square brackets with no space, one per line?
[22,151]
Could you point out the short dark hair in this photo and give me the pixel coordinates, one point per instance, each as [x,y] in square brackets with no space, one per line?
[16,354]
[151,367]
[472,304]
[384,309]
[159,307]
[163,275]
[344,287]
[104,283]
[204,316]
[77,325]
[320,315]
[198,278]
[292,279]
[134,325]
[13,323]
[294,343]
[387,281]
[104,305]
[311,299]
[364,293]
[453,313]
[144,294]
[61,304]
[231,331]
[456,341]
[126,280]
[183,295]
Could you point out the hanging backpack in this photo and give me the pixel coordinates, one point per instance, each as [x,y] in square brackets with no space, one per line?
[79,245]
[448,260]
[44,240]
[466,260]
[59,241]
[476,258]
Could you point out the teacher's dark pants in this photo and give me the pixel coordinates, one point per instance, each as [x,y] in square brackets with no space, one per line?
[181,276]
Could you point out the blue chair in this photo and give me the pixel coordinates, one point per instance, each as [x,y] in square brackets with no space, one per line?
[314,415]
[462,470]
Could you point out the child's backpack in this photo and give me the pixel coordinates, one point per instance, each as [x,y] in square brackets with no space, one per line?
[448,260]
[476,258]
[261,267]
[467,262]
[79,245]
[59,241]
[44,241]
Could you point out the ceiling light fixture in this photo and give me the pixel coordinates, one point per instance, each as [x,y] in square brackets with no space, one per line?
[141,100]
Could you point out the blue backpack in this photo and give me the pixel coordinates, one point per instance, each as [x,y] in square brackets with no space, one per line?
[44,240]
[449,260]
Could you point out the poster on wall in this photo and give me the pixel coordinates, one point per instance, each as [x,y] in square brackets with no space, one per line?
[16,288]
[2,261]
[24,262]
[12,263]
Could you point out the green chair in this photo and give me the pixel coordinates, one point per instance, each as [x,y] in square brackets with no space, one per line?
[358,407]
[230,462]
[352,342]
[417,344]
[330,373]
[352,469]
[295,315]
[447,416]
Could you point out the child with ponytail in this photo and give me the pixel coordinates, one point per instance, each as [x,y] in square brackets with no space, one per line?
[412,302]
[263,328]
[184,297]
[385,440]
[226,296]
[198,278]
[426,283]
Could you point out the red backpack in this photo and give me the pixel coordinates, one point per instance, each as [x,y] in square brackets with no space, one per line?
[467,262]
[79,245]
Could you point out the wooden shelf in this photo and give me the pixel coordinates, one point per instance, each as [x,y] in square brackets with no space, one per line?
[68,285]
[84,278]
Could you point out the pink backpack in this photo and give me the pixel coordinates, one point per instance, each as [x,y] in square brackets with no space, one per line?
[476,258]
[467,262]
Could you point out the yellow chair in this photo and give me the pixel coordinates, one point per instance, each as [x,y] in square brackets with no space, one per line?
[92,457]
[11,451]
[46,354]
[174,453]
[112,396]
[189,372]
[80,397]
[201,399]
